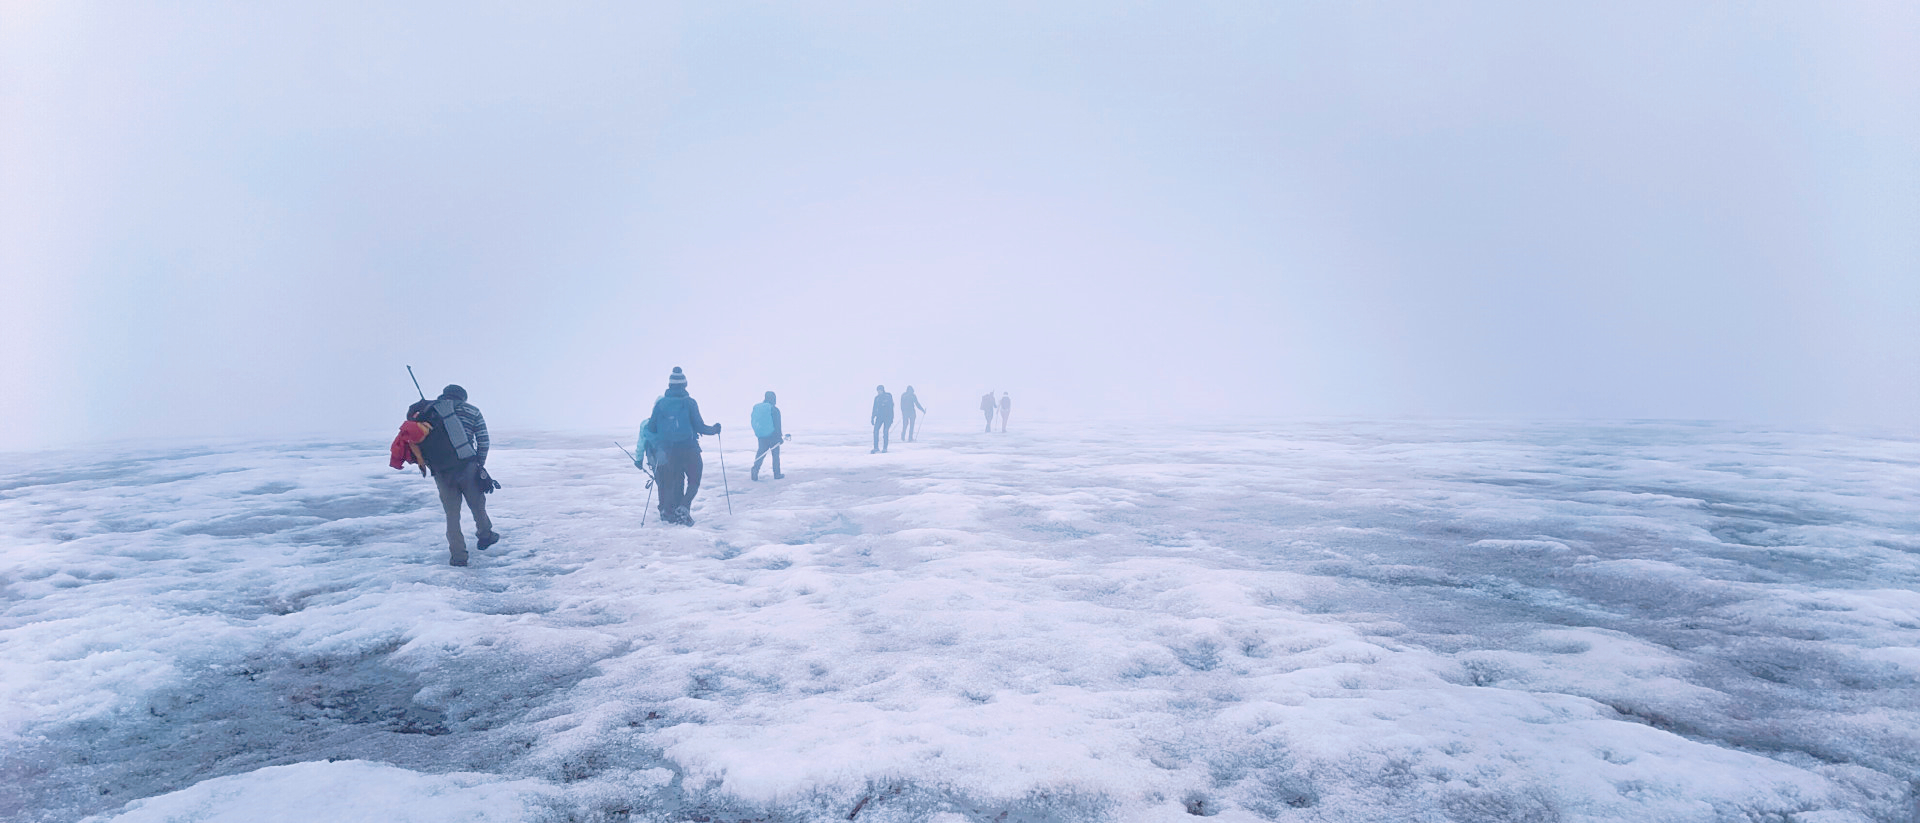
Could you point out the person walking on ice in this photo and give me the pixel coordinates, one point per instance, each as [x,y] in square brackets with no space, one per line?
[1006,411]
[766,427]
[455,448]
[986,406]
[882,419]
[909,408]
[676,426]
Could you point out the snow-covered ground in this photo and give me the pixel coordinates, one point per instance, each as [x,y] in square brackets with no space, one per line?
[1352,622]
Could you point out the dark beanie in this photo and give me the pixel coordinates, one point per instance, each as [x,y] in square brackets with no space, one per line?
[676,380]
[879,388]
[769,397]
[454,391]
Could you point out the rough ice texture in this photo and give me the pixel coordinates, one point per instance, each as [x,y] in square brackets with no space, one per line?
[1353,622]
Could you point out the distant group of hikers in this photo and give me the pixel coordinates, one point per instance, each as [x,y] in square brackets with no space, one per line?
[447,437]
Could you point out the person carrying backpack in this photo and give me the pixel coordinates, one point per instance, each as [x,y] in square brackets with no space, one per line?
[674,429]
[882,419]
[455,450]
[1006,411]
[766,427]
[986,405]
[909,407]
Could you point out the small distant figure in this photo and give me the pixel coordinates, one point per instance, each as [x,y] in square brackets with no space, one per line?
[454,446]
[675,428]
[909,408]
[1006,411]
[766,426]
[882,419]
[986,406]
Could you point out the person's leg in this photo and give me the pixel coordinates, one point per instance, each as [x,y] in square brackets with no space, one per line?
[989,422]
[450,501]
[876,439]
[906,428]
[760,455]
[668,475]
[769,447]
[695,467]
[477,501]
[886,435]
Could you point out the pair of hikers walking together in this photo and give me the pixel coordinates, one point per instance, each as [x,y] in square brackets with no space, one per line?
[882,418]
[1005,408]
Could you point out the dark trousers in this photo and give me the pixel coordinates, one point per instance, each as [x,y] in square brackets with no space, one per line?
[679,478]
[882,433]
[768,446]
[459,484]
[989,413]
[1004,414]
[906,427]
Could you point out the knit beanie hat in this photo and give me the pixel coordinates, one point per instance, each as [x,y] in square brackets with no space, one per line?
[454,391]
[878,389]
[676,380]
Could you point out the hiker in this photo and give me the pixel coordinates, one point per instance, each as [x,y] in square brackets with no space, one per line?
[909,407]
[1006,411]
[986,405]
[675,428]
[766,427]
[455,449]
[882,419]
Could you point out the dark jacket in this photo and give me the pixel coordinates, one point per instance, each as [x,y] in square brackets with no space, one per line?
[910,405]
[700,426]
[882,409]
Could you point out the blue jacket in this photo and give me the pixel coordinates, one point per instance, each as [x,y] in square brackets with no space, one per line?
[661,408]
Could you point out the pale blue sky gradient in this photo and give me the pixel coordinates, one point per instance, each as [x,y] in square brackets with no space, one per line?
[245,218]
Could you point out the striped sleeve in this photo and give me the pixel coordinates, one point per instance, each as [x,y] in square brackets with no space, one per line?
[476,424]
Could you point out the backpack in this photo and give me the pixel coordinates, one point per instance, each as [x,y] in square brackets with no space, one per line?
[448,444]
[672,422]
[763,420]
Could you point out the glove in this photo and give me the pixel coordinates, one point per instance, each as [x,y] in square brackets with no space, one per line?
[716,428]
[636,464]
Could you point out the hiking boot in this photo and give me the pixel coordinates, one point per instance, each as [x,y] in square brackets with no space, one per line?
[682,516]
[779,477]
[457,560]
[487,540]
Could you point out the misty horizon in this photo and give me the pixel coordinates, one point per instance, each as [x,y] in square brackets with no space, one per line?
[247,221]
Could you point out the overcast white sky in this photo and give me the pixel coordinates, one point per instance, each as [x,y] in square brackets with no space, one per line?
[246,218]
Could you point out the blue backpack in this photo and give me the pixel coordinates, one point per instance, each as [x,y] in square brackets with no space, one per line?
[672,422]
[763,420]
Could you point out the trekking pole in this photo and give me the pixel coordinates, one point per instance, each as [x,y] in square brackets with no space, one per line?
[416,383]
[636,464]
[723,472]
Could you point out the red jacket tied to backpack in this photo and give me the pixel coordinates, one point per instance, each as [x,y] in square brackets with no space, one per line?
[406,445]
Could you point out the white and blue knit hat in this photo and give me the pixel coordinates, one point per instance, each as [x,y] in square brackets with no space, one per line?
[676,380]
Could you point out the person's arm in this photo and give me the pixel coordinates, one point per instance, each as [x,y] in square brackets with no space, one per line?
[476,424]
[699,424]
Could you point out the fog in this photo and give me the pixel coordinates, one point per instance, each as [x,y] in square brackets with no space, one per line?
[246,219]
